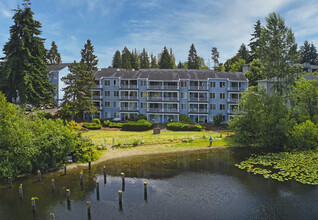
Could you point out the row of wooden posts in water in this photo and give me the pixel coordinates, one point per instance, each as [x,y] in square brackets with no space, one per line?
[68,191]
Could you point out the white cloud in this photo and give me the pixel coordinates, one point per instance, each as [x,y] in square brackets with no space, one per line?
[6,13]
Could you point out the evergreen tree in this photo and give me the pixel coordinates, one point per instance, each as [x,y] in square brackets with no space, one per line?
[116,60]
[308,53]
[277,51]
[88,56]
[180,65]
[165,61]
[243,53]
[215,57]
[193,62]
[135,63]
[53,56]
[254,42]
[153,63]
[125,59]
[173,59]
[144,59]
[78,91]
[24,71]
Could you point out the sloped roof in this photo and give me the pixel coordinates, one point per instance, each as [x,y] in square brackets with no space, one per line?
[168,74]
[57,67]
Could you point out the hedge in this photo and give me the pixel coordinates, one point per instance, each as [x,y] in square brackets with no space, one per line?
[179,126]
[141,125]
[92,126]
[113,124]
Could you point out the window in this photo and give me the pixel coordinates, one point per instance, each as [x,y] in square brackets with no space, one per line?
[107,93]
[116,115]
[107,104]
[116,82]
[116,104]
[143,82]
[212,106]
[184,106]
[222,95]
[222,106]
[143,94]
[211,117]
[184,95]
[212,95]
[223,117]
[183,83]
[116,93]
[107,114]
[222,84]
[107,82]
[143,105]
[213,84]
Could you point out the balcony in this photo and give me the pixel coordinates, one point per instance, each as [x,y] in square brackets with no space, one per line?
[131,109]
[128,98]
[97,97]
[128,87]
[204,111]
[233,100]
[98,87]
[100,108]
[198,88]
[198,99]
[154,87]
[235,89]
[152,98]
[170,99]
[171,87]
[157,110]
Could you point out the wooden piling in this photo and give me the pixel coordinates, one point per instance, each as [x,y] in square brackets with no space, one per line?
[120,197]
[97,190]
[52,216]
[104,171]
[89,165]
[145,191]
[21,191]
[39,176]
[64,170]
[33,204]
[68,194]
[113,142]
[10,181]
[88,203]
[53,185]
[123,180]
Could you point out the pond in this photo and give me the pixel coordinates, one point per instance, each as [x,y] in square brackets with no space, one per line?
[189,185]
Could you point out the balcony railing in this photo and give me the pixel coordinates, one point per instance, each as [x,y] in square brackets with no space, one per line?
[98,87]
[233,100]
[163,110]
[198,110]
[98,97]
[152,98]
[170,87]
[154,87]
[198,99]
[170,99]
[134,109]
[235,88]
[128,86]
[198,88]
[128,98]
[99,108]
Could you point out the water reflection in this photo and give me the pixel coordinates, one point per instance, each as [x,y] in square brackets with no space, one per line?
[200,184]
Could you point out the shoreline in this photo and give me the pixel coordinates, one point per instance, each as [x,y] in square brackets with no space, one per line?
[116,153]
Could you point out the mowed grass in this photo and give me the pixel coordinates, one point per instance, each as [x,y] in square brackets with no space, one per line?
[178,139]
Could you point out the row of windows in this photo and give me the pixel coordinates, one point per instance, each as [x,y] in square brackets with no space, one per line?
[182,83]
[184,95]
[143,105]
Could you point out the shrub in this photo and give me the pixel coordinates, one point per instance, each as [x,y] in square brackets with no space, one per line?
[178,126]
[141,125]
[140,117]
[92,126]
[304,136]
[218,119]
[96,121]
[115,125]
[185,119]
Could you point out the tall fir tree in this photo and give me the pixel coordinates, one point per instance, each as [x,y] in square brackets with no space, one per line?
[243,53]
[308,53]
[117,60]
[78,90]
[180,65]
[193,62]
[126,59]
[53,57]
[173,59]
[153,63]
[144,59]
[165,61]
[215,57]
[135,63]
[23,72]
[88,56]
[277,51]
[254,42]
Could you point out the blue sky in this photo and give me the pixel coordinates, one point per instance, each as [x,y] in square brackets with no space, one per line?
[153,24]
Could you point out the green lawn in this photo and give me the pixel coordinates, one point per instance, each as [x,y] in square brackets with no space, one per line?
[121,137]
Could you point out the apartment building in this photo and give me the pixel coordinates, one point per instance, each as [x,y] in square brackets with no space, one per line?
[163,94]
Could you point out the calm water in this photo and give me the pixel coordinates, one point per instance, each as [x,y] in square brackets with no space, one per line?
[197,185]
